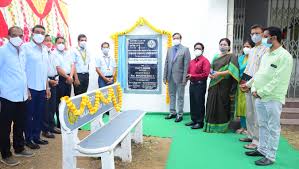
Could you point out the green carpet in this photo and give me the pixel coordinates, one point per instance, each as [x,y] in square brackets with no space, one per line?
[194,149]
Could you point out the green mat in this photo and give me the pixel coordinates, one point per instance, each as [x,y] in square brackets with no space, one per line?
[194,149]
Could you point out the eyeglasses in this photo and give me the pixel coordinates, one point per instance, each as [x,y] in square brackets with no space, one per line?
[13,36]
[254,34]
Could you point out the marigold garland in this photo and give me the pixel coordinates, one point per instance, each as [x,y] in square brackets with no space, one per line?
[74,113]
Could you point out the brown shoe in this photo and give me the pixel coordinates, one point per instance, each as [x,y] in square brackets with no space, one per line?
[56,130]
[48,134]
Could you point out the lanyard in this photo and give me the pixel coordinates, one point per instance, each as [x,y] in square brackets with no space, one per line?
[107,63]
[83,55]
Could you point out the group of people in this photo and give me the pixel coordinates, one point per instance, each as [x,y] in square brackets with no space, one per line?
[251,87]
[33,77]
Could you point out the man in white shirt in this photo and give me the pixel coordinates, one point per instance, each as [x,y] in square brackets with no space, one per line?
[65,71]
[13,97]
[81,59]
[105,67]
[37,76]
[49,123]
[252,67]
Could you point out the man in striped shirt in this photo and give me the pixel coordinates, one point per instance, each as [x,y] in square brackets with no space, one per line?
[252,67]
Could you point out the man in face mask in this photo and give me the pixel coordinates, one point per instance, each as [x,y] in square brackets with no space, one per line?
[65,69]
[48,123]
[269,88]
[13,97]
[198,72]
[105,66]
[81,59]
[37,75]
[175,72]
[48,42]
[253,63]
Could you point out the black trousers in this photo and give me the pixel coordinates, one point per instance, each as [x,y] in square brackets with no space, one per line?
[12,112]
[48,121]
[63,89]
[197,93]
[84,81]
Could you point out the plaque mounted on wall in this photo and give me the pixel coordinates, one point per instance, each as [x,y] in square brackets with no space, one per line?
[144,64]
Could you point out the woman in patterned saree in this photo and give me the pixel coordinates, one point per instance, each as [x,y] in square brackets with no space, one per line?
[224,80]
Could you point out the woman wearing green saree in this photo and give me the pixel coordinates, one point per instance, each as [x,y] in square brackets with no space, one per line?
[240,95]
[222,89]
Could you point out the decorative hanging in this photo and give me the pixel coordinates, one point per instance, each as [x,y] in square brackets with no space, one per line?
[52,14]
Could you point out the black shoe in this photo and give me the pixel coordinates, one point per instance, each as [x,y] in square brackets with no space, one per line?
[48,134]
[41,142]
[170,116]
[190,123]
[32,145]
[263,162]
[56,130]
[197,126]
[246,139]
[254,153]
[178,118]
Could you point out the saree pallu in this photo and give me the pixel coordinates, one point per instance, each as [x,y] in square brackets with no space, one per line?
[221,94]
[240,96]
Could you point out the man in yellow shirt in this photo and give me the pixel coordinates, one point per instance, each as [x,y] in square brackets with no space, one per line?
[270,87]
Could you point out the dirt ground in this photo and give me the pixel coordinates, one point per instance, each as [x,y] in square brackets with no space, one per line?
[152,154]
[291,133]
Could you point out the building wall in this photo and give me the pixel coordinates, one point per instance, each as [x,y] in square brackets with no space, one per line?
[205,21]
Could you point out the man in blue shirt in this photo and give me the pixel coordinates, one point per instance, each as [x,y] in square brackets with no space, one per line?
[36,68]
[13,96]
[105,66]
[65,69]
[81,59]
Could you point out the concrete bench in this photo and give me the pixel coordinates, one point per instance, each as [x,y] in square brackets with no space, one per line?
[105,140]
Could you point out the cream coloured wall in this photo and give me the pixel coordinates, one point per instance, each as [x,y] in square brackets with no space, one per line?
[198,21]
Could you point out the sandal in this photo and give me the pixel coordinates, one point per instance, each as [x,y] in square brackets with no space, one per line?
[250,146]
[239,131]
[244,132]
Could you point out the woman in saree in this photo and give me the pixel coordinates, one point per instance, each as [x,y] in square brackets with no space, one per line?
[222,89]
[240,100]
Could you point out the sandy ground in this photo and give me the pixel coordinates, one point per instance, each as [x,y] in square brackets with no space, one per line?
[291,133]
[152,154]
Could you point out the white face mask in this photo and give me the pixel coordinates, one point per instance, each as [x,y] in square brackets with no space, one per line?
[246,50]
[16,41]
[60,47]
[176,42]
[82,44]
[105,51]
[198,52]
[38,38]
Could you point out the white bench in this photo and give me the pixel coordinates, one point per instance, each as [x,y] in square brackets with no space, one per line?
[105,140]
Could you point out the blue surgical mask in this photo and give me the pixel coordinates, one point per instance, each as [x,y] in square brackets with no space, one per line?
[256,38]
[265,43]
[105,51]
